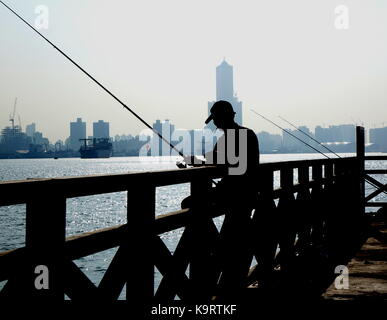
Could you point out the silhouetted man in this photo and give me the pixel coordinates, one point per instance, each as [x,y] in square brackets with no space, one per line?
[237,151]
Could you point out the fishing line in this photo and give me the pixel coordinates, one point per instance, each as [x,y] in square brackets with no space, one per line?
[308,135]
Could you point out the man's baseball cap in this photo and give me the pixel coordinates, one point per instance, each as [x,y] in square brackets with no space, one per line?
[220,108]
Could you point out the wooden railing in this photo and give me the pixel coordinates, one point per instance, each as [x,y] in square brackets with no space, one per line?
[379,186]
[289,224]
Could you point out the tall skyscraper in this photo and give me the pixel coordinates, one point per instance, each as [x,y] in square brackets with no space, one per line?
[101,129]
[224,82]
[225,91]
[156,141]
[77,131]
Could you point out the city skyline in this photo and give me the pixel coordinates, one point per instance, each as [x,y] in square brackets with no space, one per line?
[32,143]
[289,60]
[324,134]
[101,129]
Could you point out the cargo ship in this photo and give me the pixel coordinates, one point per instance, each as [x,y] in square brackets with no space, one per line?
[98,148]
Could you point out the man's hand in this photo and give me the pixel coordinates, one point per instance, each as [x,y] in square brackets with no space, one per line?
[181,165]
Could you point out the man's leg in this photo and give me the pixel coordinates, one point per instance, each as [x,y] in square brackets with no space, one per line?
[235,253]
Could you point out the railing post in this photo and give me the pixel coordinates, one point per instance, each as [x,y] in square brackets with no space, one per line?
[303,210]
[287,232]
[139,244]
[360,154]
[317,204]
[201,266]
[264,229]
[45,238]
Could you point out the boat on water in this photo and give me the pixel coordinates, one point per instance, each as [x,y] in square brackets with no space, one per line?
[96,148]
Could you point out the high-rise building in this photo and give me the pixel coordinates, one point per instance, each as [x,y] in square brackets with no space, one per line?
[225,91]
[156,143]
[340,133]
[269,142]
[224,82]
[292,144]
[160,147]
[13,139]
[378,136]
[30,129]
[101,129]
[77,131]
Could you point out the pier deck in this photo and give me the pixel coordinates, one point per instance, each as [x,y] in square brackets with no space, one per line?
[367,271]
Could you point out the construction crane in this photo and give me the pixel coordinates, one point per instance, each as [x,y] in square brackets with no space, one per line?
[20,125]
[12,116]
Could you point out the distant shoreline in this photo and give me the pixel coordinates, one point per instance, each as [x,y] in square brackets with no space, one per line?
[51,156]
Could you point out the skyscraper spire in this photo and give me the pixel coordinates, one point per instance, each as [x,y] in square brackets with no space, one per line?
[225,90]
[224,82]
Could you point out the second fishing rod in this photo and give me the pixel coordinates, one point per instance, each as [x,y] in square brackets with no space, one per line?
[294,136]
[330,150]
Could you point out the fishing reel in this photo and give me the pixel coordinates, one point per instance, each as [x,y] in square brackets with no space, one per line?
[181,164]
[189,161]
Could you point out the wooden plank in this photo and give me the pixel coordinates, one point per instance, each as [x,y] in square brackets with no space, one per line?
[367,277]
[359,173]
[140,248]
[376,204]
[303,210]
[173,267]
[287,228]
[16,192]
[375,193]
[171,221]
[114,278]
[317,195]
[78,287]
[381,157]
[45,239]
[201,253]
[376,171]
[88,243]
[264,233]
[81,245]
[374,181]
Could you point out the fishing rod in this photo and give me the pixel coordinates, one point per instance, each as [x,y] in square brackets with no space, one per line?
[95,80]
[330,150]
[308,135]
[369,182]
[294,136]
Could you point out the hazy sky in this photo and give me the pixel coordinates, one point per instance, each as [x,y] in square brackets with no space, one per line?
[160,57]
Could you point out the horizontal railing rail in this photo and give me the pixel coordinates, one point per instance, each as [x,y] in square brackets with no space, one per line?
[18,191]
[376,157]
